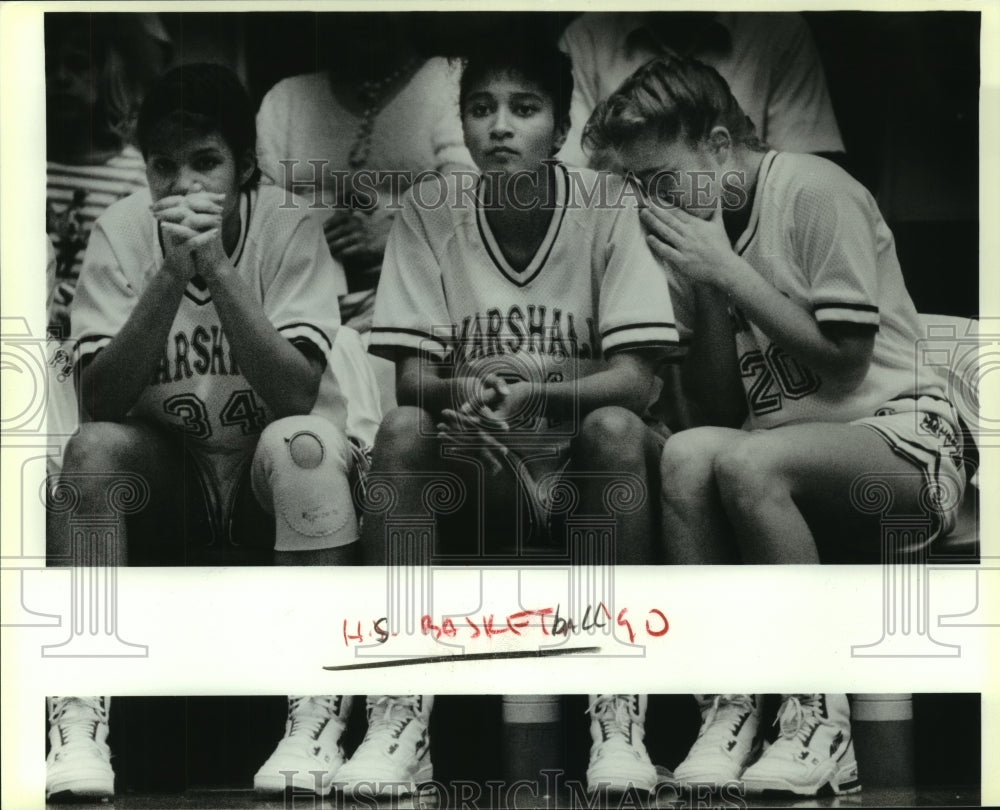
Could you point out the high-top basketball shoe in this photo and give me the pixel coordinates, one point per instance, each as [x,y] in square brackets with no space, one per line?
[79,761]
[394,757]
[309,756]
[727,742]
[618,757]
[814,752]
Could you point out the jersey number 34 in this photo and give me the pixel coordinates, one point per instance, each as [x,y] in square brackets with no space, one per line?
[241,410]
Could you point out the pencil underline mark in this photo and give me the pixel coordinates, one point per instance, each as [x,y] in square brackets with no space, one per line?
[484,656]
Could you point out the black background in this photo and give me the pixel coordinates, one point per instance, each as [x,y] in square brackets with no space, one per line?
[904,87]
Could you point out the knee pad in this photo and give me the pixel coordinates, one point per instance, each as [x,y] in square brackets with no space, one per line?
[300,474]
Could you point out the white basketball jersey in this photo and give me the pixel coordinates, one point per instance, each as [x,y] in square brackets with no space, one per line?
[817,236]
[591,289]
[198,387]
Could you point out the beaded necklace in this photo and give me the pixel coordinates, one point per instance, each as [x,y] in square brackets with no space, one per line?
[372,94]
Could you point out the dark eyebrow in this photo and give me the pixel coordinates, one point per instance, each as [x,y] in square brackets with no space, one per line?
[523,94]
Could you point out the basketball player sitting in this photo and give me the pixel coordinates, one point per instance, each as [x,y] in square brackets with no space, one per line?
[524,320]
[206,319]
[803,334]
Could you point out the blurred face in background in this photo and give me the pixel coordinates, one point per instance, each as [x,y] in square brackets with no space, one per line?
[97,66]
[73,67]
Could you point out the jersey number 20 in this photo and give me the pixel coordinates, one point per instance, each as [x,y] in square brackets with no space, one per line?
[775,375]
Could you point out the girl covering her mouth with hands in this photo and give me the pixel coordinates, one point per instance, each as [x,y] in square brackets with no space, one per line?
[801,331]
[206,321]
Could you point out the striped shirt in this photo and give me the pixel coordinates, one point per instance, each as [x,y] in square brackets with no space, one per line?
[78,194]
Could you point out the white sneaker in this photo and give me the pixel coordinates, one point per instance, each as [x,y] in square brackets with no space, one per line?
[813,753]
[618,758]
[309,756]
[79,761]
[394,757]
[727,741]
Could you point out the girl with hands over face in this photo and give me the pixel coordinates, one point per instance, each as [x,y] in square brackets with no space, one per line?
[798,328]
[188,225]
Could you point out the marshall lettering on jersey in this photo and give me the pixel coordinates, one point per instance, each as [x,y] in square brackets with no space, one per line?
[535,329]
[197,386]
[203,350]
[592,288]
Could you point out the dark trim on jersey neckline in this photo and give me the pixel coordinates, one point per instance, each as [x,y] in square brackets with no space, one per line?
[551,235]
[747,237]
[244,233]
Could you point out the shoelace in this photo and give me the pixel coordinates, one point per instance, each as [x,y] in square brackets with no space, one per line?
[77,719]
[612,712]
[792,719]
[711,730]
[309,723]
[383,716]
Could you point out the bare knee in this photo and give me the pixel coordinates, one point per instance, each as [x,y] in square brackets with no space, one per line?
[403,437]
[611,435]
[687,459]
[100,447]
[747,474]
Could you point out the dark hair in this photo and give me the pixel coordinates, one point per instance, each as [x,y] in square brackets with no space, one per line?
[534,58]
[673,97]
[204,98]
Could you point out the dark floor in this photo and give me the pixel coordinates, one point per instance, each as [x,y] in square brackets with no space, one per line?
[230,799]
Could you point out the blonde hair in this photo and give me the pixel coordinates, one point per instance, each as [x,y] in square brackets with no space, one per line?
[673,97]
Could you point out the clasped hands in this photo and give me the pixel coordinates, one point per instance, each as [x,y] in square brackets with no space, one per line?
[481,421]
[191,227]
